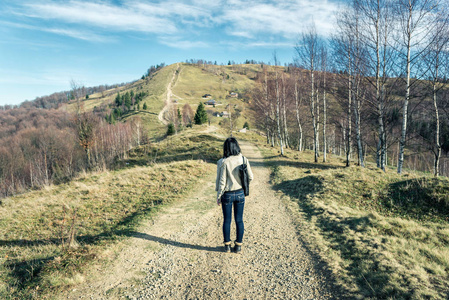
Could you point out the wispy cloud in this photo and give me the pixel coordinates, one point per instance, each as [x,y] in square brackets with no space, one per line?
[246,19]
[158,18]
[284,18]
[81,34]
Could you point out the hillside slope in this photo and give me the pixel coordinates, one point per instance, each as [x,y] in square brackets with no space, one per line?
[179,84]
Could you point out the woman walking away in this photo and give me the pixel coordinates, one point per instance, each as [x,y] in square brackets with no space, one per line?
[230,193]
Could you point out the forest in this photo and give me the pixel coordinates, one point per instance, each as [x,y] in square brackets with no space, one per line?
[39,147]
[376,90]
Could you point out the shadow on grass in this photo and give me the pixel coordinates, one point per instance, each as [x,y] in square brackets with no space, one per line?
[279,161]
[363,266]
[26,274]
[424,199]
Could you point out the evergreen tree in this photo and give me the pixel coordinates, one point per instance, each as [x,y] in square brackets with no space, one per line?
[200,115]
[128,101]
[145,107]
[246,125]
[171,129]
[118,99]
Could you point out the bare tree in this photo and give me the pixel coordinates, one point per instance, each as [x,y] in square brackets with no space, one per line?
[307,52]
[415,24]
[298,101]
[278,102]
[284,109]
[84,121]
[187,114]
[437,59]
[324,74]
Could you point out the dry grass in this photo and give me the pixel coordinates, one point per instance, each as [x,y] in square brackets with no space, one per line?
[385,236]
[35,258]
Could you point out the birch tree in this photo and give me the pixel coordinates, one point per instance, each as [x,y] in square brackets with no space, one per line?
[298,101]
[437,59]
[278,103]
[414,26]
[324,74]
[307,52]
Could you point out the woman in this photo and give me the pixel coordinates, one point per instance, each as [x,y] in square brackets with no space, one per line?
[230,193]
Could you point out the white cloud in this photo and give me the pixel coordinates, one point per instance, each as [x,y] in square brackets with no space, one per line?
[104,15]
[285,18]
[239,18]
[86,35]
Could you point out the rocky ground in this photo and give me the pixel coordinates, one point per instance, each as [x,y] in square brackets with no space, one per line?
[178,255]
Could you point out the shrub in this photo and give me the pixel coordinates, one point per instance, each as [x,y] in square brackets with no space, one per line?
[171,129]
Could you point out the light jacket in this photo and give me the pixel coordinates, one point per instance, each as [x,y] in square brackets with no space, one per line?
[228,176]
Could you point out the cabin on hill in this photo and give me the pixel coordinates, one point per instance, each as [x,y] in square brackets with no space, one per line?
[233,95]
[210,102]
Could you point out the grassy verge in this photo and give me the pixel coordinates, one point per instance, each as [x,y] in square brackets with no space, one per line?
[97,209]
[385,236]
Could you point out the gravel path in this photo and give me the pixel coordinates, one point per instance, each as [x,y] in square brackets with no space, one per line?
[169,94]
[179,256]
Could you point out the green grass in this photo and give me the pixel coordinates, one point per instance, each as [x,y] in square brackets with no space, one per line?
[191,82]
[35,260]
[384,236]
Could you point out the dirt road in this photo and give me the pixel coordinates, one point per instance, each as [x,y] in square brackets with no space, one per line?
[168,98]
[179,254]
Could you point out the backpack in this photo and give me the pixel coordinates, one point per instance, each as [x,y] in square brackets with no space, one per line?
[244,178]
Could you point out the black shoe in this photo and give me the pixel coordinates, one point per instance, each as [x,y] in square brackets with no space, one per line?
[227,248]
[237,248]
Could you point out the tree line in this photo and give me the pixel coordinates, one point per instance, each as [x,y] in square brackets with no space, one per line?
[39,147]
[375,89]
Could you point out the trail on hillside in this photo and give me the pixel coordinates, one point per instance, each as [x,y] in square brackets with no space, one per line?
[178,255]
[169,95]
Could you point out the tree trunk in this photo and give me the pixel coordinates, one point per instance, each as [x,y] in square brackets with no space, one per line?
[324,119]
[358,131]
[348,140]
[297,103]
[437,133]
[278,122]
[405,106]
[312,110]
[284,96]
[317,122]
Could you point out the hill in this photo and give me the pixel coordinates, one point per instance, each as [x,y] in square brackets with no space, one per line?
[189,83]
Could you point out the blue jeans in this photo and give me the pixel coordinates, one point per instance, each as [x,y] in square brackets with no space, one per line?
[236,199]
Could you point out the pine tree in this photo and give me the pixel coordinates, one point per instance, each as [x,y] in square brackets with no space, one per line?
[145,106]
[246,125]
[118,100]
[171,129]
[128,102]
[200,115]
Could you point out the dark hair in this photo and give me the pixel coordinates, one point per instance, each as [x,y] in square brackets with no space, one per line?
[230,147]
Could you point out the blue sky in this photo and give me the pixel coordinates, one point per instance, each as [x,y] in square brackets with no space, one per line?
[46,43]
